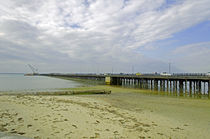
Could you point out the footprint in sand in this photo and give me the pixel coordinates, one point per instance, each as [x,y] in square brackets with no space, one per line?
[146,125]
[13,132]
[20,119]
[67,134]
[160,134]
[146,131]
[37,137]
[29,126]
[2,128]
[57,132]
[97,135]
[74,126]
[116,132]
[121,121]
[21,133]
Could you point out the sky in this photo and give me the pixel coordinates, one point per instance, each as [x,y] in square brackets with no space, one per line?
[98,36]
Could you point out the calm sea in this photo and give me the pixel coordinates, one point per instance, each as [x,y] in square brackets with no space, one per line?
[19,82]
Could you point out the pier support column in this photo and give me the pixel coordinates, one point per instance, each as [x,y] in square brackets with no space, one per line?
[161,85]
[181,87]
[199,87]
[170,89]
[155,84]
[146,84]
[119,81]
[209,88]
[194,87]
[185,87]
[140,83]
[164,85]
[190,88]
[151,84]
[204,87]
[167,86]
[174,86]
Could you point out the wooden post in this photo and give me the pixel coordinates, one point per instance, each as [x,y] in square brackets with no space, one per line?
[156,84]
[204,87]
[181,87]
[167,86]
[164,85]
[174,86]
[139,83]
[209,88]
[199,87]
[160,86]
[146,84]
[151,87]
[185,88]
[190,88]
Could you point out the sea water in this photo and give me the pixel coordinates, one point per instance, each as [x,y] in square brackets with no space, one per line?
[19,82]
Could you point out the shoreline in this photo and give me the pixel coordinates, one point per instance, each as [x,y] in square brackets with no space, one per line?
[125,113]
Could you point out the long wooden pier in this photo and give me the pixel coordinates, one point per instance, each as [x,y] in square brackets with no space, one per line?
[190,85]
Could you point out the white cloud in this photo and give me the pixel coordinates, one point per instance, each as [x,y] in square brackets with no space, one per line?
[92,31]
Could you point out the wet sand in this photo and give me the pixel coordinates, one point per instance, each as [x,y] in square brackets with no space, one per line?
[125,113]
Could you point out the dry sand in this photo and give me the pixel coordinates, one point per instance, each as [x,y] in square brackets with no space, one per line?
[123,114]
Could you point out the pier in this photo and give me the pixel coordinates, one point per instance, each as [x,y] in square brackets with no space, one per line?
[190,85]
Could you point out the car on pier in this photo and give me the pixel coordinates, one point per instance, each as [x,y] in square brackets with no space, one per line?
[165,74]
[138,74]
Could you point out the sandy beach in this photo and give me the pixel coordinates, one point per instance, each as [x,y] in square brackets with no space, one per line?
[125,113]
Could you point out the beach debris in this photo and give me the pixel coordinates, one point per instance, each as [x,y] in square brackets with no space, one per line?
[20,119]
[97,135]
[61,92]
[75,92]
[107,129]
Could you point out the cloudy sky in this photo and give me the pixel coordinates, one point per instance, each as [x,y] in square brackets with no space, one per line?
[105,35]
